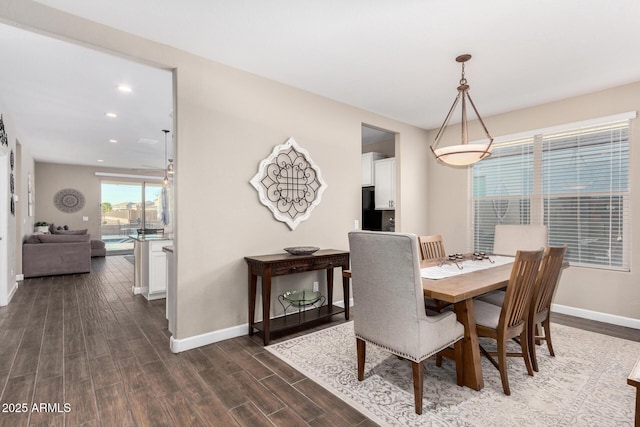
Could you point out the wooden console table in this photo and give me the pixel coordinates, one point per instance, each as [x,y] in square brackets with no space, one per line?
[268,266]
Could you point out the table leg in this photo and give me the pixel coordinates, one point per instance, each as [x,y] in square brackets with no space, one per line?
[472,368]
[266,305]
[330,287]
[253,281]
[345,292]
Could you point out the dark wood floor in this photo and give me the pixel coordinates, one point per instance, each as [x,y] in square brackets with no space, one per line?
[86,341]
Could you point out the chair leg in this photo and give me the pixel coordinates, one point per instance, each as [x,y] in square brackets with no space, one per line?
[502,366]
[417,386]
[438,360]
[525,351]
[531,335]
[361,350]
[459,356]
[547,336]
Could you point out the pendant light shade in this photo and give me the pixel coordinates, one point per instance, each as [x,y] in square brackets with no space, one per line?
[463,154]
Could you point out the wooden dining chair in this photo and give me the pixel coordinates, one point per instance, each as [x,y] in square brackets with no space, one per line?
[389,308]
[543,291]
[432,249]
[511,319]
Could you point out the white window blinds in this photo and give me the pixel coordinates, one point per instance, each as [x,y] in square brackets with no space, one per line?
[574,181]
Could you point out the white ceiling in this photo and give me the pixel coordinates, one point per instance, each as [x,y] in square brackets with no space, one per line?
[395,58]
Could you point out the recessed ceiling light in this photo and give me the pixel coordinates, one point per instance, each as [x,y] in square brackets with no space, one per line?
[100,160]
[112,115]
[125,88]
[113,141]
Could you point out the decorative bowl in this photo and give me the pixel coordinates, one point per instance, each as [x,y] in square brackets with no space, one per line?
[302,250]
[300,298]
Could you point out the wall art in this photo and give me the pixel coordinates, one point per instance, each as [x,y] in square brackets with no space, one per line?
[12,185]
[68,200]
[4,140]
[289,183]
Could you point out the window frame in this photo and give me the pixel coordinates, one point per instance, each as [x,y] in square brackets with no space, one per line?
[536,200]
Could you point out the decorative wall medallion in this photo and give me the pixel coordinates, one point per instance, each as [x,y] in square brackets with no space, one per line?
[289,183]
[3,134]
[68,200]
[12,185]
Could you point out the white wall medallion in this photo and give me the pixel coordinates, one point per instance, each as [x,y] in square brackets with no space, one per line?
[289,183]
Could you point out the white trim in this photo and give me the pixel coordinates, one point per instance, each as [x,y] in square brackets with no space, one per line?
[597,316]
[184,344]
[564,127]
[122,175]
[136,290]
[12,292]
[19,277]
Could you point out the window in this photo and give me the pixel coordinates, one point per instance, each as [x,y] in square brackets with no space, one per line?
[573,180]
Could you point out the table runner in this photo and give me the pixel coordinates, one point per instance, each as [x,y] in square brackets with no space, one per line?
[449,268]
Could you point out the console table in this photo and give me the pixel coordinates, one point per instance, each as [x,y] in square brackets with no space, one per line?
[268,266]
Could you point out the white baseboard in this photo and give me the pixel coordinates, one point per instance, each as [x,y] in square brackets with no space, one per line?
[20,277]
[184,344]
[597,316]
[12,292]
[136,290]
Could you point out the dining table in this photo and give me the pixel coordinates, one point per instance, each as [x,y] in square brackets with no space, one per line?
[459,290]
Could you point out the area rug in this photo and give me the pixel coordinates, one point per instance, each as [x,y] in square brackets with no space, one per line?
[584,385]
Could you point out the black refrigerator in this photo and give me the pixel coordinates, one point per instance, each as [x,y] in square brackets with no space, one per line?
[371,218]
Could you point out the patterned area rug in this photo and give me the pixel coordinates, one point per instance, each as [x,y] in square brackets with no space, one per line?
[584,385]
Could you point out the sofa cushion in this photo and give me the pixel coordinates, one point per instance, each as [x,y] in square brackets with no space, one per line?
[83,231]
[32,239]
[63,238]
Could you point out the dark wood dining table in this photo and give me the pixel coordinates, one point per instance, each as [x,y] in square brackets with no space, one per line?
[460,291]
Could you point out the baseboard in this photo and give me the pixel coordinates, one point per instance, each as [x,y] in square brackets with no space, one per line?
[19,277]
[12,292]
[597,316]
[136,290]
[184,344]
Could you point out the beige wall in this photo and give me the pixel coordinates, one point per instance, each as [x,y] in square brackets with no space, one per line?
[614,293]
[226,122]
[52,177]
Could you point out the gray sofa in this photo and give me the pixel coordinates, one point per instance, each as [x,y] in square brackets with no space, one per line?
[54,254]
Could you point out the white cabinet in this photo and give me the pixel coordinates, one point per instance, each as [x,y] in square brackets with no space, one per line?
[157,269]
[150,278]
[367,168]
[385,183]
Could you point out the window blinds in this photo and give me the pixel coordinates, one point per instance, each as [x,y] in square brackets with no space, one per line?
[574,181]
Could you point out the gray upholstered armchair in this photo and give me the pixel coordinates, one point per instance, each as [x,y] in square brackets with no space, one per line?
[389,306]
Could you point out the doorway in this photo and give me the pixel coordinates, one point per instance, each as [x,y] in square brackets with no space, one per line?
[127,207]
[378,179]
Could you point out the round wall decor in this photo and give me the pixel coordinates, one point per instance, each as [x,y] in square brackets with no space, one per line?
[68,200]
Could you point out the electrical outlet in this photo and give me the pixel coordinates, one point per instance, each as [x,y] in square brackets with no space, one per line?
[315,286]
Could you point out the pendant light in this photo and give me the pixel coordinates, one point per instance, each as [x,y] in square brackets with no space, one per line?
[165,181]
[463,154]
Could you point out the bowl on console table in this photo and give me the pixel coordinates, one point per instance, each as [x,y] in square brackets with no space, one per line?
[302,250]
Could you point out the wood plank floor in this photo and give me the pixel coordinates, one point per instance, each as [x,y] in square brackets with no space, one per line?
[87,342]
